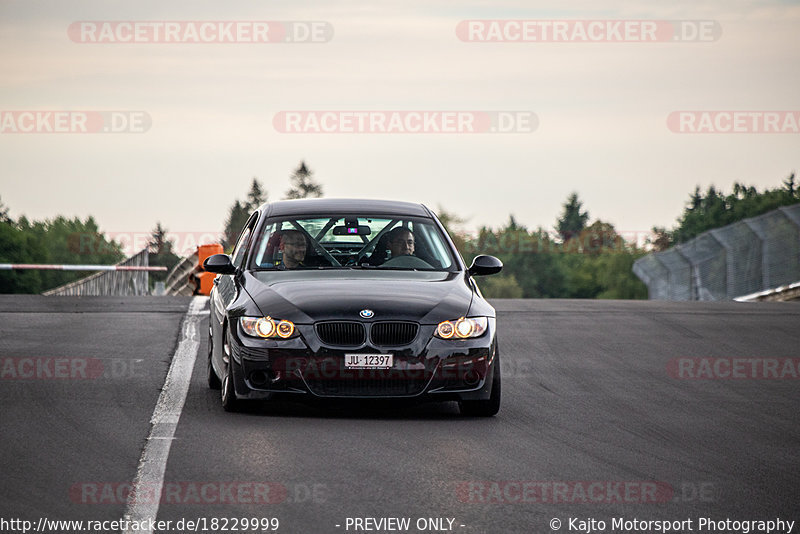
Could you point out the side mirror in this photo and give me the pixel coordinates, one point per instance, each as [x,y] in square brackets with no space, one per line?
[220,264]
[483,265]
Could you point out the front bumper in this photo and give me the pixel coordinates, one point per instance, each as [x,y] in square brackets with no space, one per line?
[429,368]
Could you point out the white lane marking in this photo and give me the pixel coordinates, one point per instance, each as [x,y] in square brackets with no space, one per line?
[149,479]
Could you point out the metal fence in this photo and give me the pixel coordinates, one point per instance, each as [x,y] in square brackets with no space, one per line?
[745,257]
[120,283]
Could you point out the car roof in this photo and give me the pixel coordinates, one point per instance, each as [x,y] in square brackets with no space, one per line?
[323,206]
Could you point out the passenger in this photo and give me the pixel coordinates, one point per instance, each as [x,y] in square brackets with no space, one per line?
[293,245]
[401,242]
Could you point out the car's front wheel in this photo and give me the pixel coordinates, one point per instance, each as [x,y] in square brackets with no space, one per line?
[490,406]
[229,401]
[213,380]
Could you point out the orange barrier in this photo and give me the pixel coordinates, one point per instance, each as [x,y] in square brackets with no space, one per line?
[206,280]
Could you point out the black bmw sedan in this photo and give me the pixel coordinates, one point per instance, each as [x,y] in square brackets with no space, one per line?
[365,299]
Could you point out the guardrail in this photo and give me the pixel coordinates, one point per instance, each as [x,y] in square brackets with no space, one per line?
[188,277]
[178,282]
[782,294]
[125,278]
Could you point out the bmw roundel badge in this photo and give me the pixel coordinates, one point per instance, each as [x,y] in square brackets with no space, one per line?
[367,314]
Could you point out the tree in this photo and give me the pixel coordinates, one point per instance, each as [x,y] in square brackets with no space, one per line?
[714,209]
[240,211]
[61,241]
[529,261]
[600,237]
[661,240]
[696,199]
[157,239]
[4,218]
[500,286]
[580,276]
[534,262]
[790,185]
[303,184]
[161,254]
[256,196]
[615,276]
[17,246]
[572,220]
[237,218]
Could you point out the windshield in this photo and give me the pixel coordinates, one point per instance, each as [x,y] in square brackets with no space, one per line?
[351,241]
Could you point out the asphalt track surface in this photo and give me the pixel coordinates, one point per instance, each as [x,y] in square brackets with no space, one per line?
[589,397]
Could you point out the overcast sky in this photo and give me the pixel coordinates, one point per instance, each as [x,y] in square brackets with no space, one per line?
[602,109]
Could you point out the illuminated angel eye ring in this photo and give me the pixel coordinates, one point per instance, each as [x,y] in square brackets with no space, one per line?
[265,327]
[464,327]
[285,329]
[446,329]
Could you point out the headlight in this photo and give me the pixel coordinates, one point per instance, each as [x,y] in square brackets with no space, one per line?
[462,328]
[267,327]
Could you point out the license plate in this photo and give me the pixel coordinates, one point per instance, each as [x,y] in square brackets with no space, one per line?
[368,361]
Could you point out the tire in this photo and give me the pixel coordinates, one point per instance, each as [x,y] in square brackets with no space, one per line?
[228,395]
[213,380]
[490,406]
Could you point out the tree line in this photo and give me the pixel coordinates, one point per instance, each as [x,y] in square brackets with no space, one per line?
[576,259]
[714,208]
[59,241]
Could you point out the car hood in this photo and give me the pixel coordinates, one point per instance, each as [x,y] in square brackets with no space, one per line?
[320,295]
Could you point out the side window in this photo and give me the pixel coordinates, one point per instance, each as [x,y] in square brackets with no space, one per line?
[244,240]
[431,247]
[264,246]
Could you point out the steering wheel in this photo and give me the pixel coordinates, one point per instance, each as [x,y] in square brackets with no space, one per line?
[407,262]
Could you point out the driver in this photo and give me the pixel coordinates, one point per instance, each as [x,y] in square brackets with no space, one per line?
[293,246]
[401,242]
